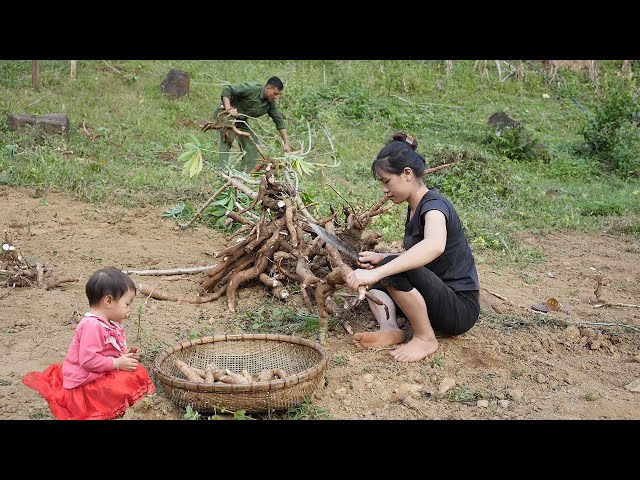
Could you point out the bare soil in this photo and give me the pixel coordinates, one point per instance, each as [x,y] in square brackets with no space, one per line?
[514,364]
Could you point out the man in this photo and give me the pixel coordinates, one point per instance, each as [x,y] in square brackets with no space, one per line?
[254,100]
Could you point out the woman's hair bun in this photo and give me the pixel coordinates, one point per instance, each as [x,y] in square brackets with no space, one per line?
[405,137]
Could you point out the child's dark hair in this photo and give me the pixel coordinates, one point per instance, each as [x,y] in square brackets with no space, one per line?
[108,281]
[398,153]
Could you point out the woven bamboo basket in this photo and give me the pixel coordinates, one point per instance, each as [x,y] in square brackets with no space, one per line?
[303,360]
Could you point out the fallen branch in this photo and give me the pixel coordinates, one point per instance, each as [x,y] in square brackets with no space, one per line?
[513,303]
[173,271]
[197,299]
[608,304]
[600,282]
[57,283]
[203,208]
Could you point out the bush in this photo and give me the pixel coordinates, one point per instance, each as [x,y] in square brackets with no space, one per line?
[611,135]
[515,143]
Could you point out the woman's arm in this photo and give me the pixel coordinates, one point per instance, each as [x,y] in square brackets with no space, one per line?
[423,252]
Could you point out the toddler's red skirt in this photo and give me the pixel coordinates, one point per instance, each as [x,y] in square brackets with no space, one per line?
[105,398]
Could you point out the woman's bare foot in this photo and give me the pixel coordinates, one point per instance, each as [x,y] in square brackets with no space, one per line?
[415,350]
[381,338]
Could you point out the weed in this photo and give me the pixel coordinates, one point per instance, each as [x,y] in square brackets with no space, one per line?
[462,394]
[236,415]
[40,414]
[305,411]
[518,373]
[437,362]
[338,361]
[191,414]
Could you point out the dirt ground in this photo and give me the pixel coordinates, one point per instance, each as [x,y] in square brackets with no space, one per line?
[514,364]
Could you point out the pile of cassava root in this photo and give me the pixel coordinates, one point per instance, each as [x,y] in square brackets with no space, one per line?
[276,246]
[214,374]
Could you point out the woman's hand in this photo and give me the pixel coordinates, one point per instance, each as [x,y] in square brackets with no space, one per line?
[361,277]
[369,259]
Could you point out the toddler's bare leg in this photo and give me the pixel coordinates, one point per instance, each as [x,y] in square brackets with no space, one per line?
[389,333]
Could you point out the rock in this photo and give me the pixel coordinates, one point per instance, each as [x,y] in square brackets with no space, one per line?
[176,84]
[49,123]
[633,386]
[540,378]
[572,332]
[341,392]
[515,394]
[504,403]
[446,384]
[367,378]
[501,121]
[482,403]
[410,389]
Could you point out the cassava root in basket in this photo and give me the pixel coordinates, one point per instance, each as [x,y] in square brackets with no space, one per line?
[213,374]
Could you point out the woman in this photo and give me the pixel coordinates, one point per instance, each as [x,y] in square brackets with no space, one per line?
[434,282]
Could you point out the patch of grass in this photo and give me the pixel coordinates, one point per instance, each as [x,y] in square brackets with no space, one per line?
[463,394]
[437,362]
[280,319]
[516,374]
[41,414]
[338,361]
[516,320]
[306,411]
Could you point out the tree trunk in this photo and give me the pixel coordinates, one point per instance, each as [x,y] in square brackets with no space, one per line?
[35,74]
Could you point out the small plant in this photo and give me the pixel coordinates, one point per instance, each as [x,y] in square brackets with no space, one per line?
[180,210]
[193,335]
[191,414]
[338,361]
[518,373]
[305,411]
[155,348]
[139,325]
[40,414]
[590,397]
[192,158]
[516,143]
[237,414]
[437,362]
[463,395]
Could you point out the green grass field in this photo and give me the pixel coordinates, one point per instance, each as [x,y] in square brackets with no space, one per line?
[126,137]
